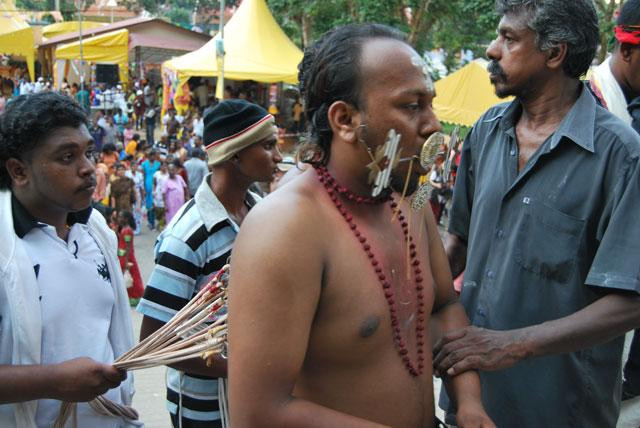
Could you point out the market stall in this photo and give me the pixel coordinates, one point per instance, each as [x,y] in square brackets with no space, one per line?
[255,48]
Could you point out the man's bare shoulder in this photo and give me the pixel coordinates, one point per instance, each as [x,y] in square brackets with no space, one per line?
[298,204]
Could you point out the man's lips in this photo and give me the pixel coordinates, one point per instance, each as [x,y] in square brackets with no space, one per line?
[89,186]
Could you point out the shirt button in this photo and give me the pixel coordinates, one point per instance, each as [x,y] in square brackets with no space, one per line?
[491,274]
[512,152]
[500,233]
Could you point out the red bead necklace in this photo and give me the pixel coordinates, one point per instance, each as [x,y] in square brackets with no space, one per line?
[334,190]
[330,182]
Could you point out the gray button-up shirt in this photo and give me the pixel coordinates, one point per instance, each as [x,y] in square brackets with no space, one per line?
[543,243]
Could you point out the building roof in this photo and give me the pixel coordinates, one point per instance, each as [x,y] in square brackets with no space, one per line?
[130,24]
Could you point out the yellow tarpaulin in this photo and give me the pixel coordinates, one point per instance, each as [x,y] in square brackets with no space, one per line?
[16,37]
[462,97]
[255,47]
[108,48]
[59,28]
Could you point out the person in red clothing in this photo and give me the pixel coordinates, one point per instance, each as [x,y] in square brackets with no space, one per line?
[127,255]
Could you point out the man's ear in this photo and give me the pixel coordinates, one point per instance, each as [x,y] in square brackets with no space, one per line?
[344,120]
[626,51]
[556,56]
[18,172]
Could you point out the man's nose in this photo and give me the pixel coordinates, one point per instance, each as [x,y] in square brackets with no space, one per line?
[277,156]
[493,51]
[430,125]
[87,167]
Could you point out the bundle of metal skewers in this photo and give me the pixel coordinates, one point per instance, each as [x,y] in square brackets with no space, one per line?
[197,330]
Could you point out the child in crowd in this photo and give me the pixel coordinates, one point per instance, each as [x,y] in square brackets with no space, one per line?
[127,256]
[158,196]
[136,175]
[128,132]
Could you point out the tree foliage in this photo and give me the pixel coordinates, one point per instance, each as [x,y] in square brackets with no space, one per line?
[449,24]
[452,24]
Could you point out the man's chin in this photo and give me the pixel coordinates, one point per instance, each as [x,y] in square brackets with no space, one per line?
[398,184]
[80,206]
[502,91]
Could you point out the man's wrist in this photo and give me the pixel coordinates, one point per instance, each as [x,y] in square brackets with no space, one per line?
[50,381]
[526,343]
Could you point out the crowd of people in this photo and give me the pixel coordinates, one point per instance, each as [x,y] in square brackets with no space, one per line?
[341,304]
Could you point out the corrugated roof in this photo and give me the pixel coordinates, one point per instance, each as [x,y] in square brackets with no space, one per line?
[127,23]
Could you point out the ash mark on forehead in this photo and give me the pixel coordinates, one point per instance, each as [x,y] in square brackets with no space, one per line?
[421,64]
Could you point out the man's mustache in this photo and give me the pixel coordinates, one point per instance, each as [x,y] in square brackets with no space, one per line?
[495,69]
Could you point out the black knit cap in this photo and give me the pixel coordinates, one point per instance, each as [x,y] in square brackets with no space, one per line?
[230,117]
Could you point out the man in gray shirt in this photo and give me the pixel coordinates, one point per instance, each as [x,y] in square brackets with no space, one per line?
[197,169]
[544,220]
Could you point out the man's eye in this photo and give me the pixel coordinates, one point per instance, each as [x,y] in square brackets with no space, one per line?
[413,107]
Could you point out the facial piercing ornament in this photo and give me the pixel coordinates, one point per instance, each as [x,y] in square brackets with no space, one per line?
[427,160]
[383,162]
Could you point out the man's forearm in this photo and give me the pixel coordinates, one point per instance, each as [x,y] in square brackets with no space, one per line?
[600,322]
[456,253]
[465,387]
[296,413]
[25,383]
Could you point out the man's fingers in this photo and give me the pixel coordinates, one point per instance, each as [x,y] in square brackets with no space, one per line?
[112,375]
[449,336]
[469,363]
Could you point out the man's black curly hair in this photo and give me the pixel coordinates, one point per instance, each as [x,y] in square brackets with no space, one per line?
[330,71]
[28,119]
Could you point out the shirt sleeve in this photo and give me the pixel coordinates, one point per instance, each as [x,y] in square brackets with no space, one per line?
[616,264]
[463,191]
[173,279]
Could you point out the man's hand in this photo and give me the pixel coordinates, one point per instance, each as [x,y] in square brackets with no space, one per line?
[473,416]
[474,348]
[83,379]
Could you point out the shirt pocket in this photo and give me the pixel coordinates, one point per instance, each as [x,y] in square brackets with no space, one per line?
[548,241]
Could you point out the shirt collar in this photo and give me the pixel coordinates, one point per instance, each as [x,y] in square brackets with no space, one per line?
[211,209]
[577,126]
[23,221]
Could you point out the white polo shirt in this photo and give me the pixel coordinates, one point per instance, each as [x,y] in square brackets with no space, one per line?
[76,302]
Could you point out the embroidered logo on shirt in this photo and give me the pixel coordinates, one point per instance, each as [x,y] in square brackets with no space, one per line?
[103,271]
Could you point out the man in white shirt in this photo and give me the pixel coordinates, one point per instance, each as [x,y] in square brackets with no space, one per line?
[63,307]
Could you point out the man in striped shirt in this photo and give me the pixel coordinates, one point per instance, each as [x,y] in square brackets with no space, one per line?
[241,147]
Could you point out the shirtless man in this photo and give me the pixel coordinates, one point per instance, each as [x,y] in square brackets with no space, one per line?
[313,341]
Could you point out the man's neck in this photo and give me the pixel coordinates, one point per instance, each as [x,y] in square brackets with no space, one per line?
[353,174]
[231,191]
[617,66]
[44,212]
[547,107]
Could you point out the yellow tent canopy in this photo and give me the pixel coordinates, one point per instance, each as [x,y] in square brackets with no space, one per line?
[16,37]
[255,47]
[59,28]
[462,97]
[108,48]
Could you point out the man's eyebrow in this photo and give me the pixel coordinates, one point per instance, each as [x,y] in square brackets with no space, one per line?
[73,145]
[417,92]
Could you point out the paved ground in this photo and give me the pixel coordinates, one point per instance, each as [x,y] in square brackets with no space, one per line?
[150,390]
